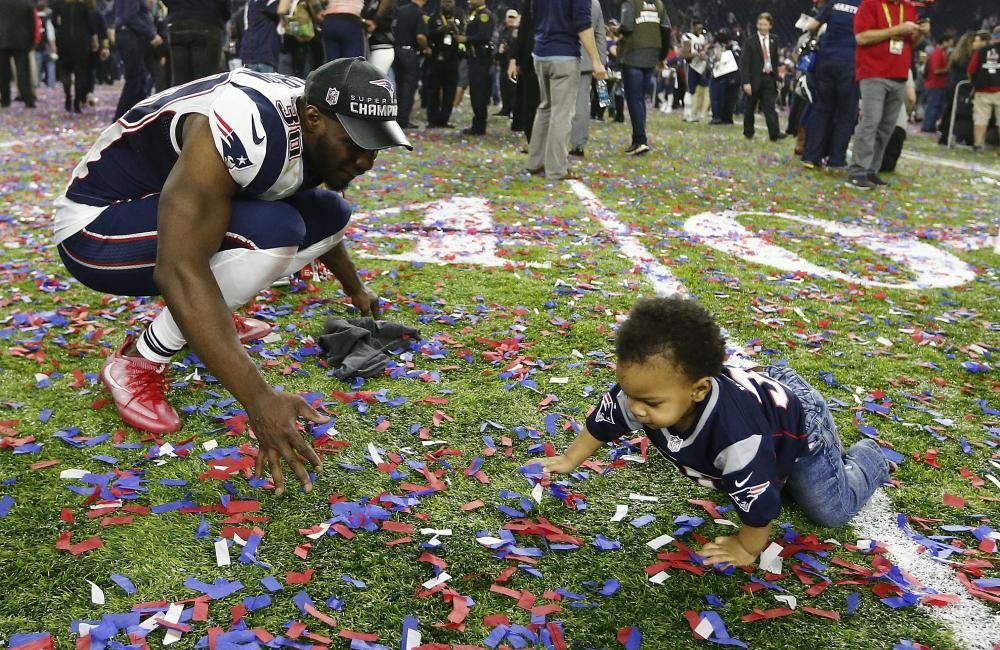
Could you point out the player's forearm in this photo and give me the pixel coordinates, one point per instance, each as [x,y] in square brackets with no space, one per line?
[197,305]
[340,264]
[582,448]
[754,539]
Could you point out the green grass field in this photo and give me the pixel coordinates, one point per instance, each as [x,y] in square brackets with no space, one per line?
[517,353]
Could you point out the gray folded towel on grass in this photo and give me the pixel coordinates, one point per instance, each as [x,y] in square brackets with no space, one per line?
[358,346]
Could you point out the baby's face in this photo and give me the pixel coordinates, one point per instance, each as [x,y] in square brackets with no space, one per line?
[659,394]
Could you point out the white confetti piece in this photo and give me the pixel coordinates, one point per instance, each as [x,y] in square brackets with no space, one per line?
[620,512]
[322,531]
[96,594]
[435,532]
[489,541]
[558,380]
[788,599]
[770,559]
[704,629]
[633,459]
[434,582]
[662,540]
[73,474]
[221,553]
[659,578]
[209,445]
[726,522]
[373,452]
[643,497]
[173,615]
[537,492]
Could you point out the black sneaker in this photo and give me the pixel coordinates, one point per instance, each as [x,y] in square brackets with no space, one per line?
[637,150]
[876,179]
[576,151]
[860,183]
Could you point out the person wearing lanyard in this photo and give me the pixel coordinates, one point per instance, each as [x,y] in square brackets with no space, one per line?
[885,31]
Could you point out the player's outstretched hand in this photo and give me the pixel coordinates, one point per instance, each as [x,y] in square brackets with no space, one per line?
[366,302]
[273,420]
[556,464]
[726,551]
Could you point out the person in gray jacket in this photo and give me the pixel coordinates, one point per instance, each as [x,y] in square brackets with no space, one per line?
[581,120]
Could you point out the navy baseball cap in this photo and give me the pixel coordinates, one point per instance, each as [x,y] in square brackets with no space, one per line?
[358,95]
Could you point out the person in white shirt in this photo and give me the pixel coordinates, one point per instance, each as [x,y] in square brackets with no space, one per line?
[694,49]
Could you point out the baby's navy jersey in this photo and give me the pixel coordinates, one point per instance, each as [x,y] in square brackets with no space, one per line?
[255,127]
[748,434]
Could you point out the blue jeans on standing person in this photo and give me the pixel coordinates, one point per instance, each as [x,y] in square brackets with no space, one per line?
[829,484]
[933,109]
[636,80]
[834,111]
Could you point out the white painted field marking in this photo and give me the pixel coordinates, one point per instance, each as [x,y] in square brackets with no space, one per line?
[459,230]
[933,267]
[973,167]
[663,280]
[971,621]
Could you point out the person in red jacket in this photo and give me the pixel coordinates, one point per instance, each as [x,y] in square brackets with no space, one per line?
[885,31]
[936,83]
[984,71]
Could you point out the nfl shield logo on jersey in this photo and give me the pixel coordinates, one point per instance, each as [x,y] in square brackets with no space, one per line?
[332,95]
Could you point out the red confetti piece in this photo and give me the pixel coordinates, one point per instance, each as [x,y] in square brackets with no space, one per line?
[954,501]
[302,550]
[397,527]
[43,464]
[472,505]
[360,636]
[825,613]
[297,578]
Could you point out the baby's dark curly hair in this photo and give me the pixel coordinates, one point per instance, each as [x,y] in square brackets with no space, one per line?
[678,329]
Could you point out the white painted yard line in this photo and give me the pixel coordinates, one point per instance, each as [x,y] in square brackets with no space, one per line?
[971,621]
[663,280]
[973,167]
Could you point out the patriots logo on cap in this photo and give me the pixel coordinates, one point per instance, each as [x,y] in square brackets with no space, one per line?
[332,96]
[385,83]
[744,498]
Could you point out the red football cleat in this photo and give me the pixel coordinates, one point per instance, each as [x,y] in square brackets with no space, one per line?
[138,387]
[250,329]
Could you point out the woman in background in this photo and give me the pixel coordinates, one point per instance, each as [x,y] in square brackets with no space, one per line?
[343,30]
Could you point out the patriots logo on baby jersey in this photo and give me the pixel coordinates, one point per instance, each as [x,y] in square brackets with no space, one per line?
[234,153]
[606,410]
[744,498]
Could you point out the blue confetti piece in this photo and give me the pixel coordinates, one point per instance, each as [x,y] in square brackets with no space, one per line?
[714,600]
[892,455]
[604,544]
[853,601]
[271,584]
[6,503]
[123,582]
[644,520]
[354,582]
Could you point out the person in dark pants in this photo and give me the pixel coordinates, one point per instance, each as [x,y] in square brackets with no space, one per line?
[504,47]
[442,75]
[835,100]
[197,31]
[645,41]
[521,72]
[411,41]
[758,71]
[76,40]
[17,28]
[478,41]
[134,35]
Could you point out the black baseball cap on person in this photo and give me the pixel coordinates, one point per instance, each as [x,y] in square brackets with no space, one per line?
[359,96]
